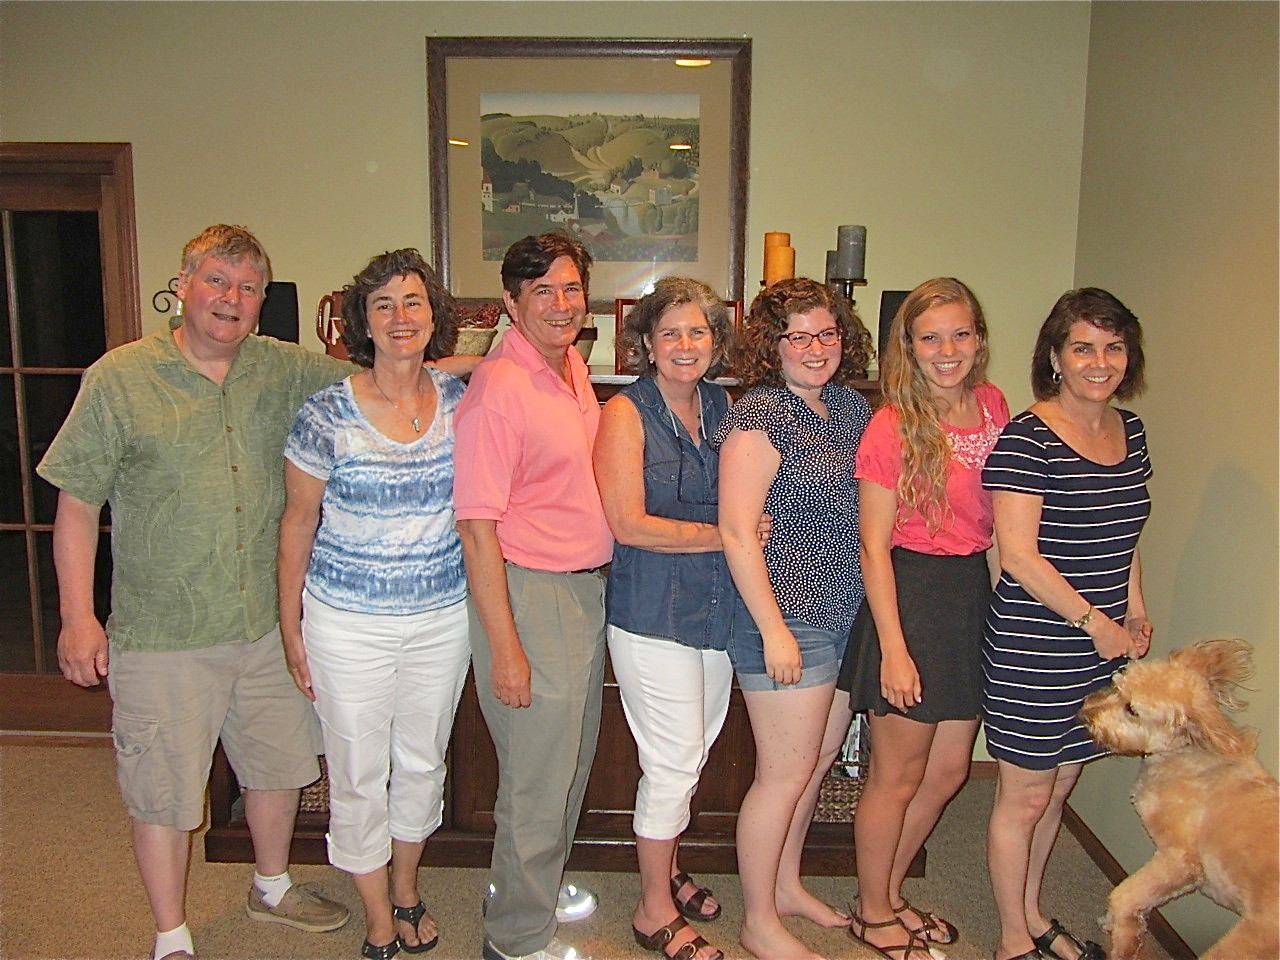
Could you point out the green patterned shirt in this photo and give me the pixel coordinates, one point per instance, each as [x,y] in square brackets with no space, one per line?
[194,475]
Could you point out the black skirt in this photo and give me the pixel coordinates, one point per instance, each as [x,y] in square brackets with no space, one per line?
[942,604]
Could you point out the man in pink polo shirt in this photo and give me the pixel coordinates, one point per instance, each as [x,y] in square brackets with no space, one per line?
[535,541]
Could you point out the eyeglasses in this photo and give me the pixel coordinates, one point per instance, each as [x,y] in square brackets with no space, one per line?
[800,340]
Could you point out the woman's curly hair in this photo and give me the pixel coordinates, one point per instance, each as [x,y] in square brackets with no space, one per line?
[759,363]
[667,293]
[377,274]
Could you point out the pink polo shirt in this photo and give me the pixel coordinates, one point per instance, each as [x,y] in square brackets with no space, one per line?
[523,458]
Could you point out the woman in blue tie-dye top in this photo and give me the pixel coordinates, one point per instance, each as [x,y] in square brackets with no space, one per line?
[372,589]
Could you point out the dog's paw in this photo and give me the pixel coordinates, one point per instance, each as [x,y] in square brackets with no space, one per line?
[1126,941]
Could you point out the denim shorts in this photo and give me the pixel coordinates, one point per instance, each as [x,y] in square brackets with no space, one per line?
[821,653]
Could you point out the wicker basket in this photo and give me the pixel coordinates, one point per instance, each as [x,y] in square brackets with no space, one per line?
[315,798]
[474,341]
[838,798]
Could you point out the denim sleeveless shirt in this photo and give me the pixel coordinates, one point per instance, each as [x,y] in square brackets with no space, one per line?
[684,597]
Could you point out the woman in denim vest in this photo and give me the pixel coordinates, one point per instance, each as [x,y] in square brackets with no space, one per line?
[670,594]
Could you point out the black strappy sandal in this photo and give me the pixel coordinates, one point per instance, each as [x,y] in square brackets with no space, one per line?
[1089,950]
[385,952]
[413,916]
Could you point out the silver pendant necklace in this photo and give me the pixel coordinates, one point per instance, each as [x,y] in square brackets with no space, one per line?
[414,421]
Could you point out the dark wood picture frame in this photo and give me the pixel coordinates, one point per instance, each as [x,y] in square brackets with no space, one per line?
[441,51]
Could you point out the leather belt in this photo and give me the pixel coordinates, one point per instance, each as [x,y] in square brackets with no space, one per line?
[602,570]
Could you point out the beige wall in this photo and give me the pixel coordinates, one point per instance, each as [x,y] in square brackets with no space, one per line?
[1178,217]
[954,131]
[951,130]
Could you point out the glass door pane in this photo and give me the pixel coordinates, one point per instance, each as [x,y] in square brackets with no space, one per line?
[55,326]
[60,314]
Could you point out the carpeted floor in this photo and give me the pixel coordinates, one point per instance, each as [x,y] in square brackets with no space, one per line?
[70,889]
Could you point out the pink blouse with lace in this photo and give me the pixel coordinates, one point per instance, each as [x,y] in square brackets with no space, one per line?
[966,528]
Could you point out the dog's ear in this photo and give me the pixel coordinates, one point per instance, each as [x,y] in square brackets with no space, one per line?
[1223,663]
[1210,729]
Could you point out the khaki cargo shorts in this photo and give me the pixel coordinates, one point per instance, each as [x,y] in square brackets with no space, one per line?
[171,708]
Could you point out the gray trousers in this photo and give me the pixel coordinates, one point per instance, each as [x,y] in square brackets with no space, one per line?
[544,750]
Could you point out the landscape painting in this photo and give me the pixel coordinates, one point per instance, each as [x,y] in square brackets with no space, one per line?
[618,170]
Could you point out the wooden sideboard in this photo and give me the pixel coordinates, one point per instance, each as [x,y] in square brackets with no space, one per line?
[604,839]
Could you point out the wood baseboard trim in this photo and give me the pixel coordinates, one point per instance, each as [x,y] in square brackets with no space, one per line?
[982,770]
[38,738]
[1160,928]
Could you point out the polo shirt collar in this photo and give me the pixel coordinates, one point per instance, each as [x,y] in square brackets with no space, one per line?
[527,355]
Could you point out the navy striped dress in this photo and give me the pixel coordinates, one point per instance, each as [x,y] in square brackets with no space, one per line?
[1038,668]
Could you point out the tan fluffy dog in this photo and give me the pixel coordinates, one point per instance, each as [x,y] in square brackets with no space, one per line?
[1210,807]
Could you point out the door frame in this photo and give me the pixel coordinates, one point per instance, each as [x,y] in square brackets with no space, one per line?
[47,702]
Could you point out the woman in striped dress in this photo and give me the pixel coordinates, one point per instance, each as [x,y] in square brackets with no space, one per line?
[1068,478]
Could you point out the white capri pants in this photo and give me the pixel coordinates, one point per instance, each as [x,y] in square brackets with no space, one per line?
[387,689]
[675,699]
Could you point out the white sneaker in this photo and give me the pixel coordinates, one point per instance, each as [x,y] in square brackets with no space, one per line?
[572,903]
[555,950]
[575,903]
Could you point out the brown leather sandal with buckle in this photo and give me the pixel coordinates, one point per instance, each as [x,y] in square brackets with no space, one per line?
[661,938]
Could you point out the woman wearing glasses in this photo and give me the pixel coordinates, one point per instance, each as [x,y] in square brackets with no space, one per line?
[787,448]
[670,595]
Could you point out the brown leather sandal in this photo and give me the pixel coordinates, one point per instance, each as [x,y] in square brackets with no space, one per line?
[932,929]
[691,909]
[893,951]
[661,938]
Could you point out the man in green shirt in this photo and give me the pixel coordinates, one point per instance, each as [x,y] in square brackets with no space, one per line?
[182,433]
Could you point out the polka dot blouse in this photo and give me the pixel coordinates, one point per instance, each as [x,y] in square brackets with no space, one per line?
[812,554]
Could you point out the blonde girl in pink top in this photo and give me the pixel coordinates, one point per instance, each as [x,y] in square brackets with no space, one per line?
[914,656]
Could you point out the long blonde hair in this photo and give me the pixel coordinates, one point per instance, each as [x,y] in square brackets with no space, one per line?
[922,485]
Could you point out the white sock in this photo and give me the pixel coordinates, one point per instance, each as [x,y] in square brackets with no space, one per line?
[272,889]
[169,941]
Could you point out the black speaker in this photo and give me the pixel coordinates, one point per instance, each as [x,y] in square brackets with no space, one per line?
[279,316]
[890,301]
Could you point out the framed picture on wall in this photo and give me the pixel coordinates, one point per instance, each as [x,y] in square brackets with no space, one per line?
[636,147]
